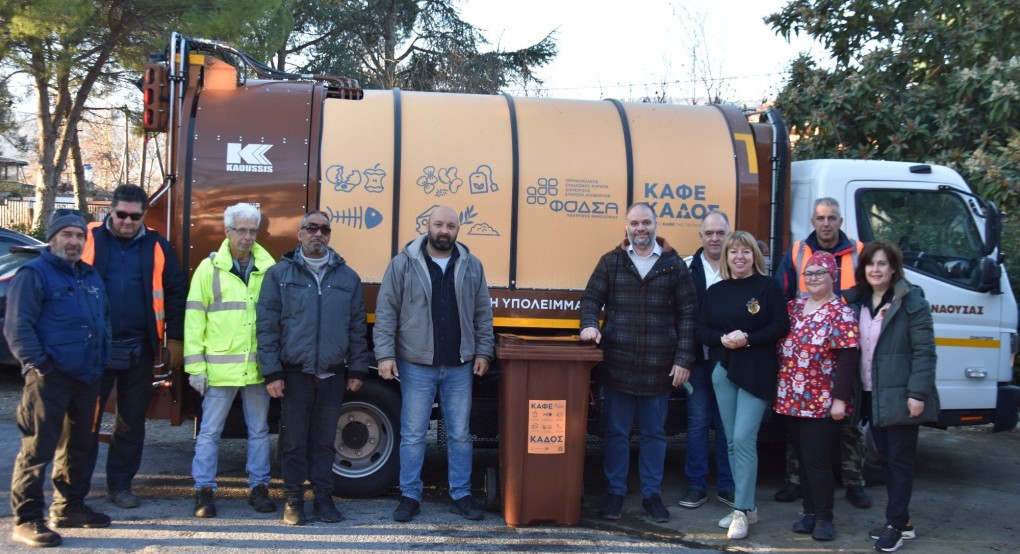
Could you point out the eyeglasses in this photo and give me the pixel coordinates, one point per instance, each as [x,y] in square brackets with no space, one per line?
[125,215]
[67,211]
[811,275]
[244,232]
[312,229]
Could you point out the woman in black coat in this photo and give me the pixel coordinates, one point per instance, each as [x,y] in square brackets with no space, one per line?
[897,376]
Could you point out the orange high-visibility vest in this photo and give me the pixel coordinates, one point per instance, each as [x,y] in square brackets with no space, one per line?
[847,263]
[88,255]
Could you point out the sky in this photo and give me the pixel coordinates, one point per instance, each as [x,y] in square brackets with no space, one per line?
[626,50]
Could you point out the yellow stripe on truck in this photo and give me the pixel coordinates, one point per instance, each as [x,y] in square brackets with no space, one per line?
[968,343]
[748,140]
[524,322]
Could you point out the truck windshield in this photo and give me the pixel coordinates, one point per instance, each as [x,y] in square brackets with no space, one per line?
[935,230]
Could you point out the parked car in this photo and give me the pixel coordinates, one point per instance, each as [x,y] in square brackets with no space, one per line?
[9,238]
[9,265]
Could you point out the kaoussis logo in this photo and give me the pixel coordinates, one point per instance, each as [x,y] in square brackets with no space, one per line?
[250,158]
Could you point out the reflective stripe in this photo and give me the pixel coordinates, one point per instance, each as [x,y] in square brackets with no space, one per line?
[221,358]
[195,305]
[227,306]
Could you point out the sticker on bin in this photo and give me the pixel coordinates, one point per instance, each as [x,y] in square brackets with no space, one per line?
[547,426]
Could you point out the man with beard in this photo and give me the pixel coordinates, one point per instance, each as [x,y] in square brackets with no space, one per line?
[433,330]
[651,309]
[317,296]
[58,327]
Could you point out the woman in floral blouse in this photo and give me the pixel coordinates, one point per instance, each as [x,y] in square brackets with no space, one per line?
[818,363]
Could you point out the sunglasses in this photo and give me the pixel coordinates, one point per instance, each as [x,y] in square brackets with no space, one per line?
[126,215]
[67,211]
[312,229]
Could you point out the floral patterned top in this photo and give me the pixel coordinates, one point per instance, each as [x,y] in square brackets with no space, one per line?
[807,357]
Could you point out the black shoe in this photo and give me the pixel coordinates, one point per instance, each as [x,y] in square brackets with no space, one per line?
[654,509]
[889,540]
[35,533]
[205,502]
[727,497]
[693,498]
[789,493]
[294,513]
[326,510]
[824,531]
[613,507]
[858,497]
[79,515]
[259,499]
[123,499]
[806,525]
[406,510]
[467,508]
[907,533]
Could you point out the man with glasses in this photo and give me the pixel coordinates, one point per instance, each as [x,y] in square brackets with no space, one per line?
[826,237]
[323,350]
[147,293]
[58,327]
[433,331]
[221,358]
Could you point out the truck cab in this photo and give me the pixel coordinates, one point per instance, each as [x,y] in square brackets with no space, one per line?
[950,243]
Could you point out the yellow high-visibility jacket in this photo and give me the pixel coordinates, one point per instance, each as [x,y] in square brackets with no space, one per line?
[219,322]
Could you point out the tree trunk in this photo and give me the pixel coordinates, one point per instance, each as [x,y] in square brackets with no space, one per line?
[80,185]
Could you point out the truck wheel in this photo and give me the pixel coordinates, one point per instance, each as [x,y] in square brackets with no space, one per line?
[1006,404]
[491,489]
[368,441]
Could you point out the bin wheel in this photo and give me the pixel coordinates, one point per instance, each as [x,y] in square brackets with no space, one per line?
[491,489]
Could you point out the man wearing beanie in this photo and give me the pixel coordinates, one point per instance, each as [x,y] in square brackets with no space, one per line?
[147,294]
[58,327]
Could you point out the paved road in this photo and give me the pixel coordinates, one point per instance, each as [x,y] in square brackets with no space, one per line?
[967,489]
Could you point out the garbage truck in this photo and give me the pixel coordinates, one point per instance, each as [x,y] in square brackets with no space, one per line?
[541,187]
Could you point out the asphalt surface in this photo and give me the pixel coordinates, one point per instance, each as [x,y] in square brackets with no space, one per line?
[967,488]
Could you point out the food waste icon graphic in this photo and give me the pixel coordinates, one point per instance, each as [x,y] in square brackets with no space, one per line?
[357,217]
[347,181]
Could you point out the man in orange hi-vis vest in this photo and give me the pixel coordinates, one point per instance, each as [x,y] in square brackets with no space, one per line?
[826,220]
[147,293]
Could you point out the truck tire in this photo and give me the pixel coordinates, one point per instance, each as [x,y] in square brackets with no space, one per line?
[368,441]
[1006,405]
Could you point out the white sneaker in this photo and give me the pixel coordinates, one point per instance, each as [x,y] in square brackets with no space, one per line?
[752,518]
[738,525]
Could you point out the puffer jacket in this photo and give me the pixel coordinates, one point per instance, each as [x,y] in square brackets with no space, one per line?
[649,323]
[403,313]
[308,326]
[903,365]
[219,322]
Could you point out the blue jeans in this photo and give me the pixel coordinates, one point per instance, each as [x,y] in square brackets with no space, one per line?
[702,415]
[620,408]
[418,387]
[741,414]
[215,407]
[897,445]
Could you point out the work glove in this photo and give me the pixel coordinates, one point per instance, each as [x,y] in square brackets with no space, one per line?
[199,383]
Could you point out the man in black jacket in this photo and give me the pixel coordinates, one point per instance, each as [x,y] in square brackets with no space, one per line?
[702,411]
[147,294]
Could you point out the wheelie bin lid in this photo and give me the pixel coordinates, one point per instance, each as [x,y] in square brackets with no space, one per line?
[524,347]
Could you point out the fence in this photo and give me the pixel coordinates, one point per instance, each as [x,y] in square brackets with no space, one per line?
[20,212]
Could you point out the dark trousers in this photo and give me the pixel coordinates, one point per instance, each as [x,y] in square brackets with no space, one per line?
[897,445]
[134,388]
[814,441]
[309,412]
[55,416]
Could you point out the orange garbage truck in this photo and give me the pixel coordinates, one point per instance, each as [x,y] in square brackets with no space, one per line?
[541,187]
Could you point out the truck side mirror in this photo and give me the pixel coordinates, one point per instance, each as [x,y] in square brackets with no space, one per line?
[993,227]
[989,274]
